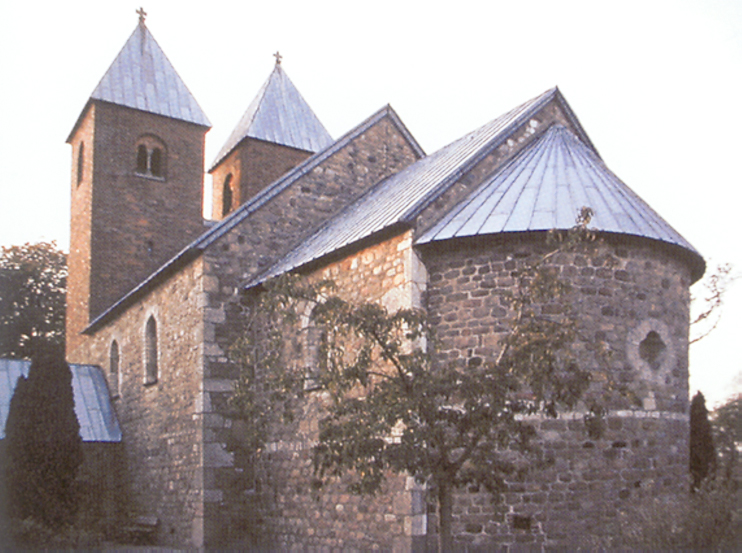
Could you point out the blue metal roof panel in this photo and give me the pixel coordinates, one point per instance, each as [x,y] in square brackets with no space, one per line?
[141,77]
[98,422]
[544,187]
[398,198]
[278,114]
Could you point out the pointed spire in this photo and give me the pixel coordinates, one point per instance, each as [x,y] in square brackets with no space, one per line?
[278,114]
[141,77]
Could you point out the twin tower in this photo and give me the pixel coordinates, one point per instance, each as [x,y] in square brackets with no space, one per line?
[138,167]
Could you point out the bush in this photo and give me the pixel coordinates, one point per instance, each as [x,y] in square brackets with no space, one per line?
[704,519]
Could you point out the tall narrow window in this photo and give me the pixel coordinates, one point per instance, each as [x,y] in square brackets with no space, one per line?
[155,162]
[142,159]
[150,351]
[227,196]
[113,369]
[80,162]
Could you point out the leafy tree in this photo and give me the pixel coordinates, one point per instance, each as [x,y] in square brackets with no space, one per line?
[43,444]
[702,453]
[32,297]
[391,404]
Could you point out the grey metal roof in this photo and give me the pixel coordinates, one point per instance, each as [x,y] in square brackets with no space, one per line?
[93,407]
[141,77]
[544,188]
[402,196]
[278,114]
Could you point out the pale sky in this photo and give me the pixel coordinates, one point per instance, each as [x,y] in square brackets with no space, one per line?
[656,84]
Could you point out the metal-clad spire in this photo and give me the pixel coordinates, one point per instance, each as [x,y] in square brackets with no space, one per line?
[278,114]
[141,77]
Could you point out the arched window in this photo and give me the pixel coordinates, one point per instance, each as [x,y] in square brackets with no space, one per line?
[150,157]
[113,369]
[150,351]
[80,162]
[227,196]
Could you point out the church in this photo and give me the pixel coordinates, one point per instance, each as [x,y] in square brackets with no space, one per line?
[154,300]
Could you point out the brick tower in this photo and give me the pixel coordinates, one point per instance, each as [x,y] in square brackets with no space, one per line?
[277,132]
[137,179]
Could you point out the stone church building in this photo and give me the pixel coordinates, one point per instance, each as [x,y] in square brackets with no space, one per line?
[154,296]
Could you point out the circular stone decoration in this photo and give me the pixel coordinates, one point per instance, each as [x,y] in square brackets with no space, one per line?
[650,349]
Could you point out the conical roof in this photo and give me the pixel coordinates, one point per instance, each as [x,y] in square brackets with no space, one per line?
[141,77]
[544,188]
[278,114]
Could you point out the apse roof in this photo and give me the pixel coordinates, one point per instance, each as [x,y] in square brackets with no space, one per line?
[93,407]
[544,187]
[141,77]
[278,114]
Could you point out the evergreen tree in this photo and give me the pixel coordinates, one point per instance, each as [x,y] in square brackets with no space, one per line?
[702,453]
[42,436]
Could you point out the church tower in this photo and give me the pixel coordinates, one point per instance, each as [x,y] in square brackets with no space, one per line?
[137,179]
[277,132]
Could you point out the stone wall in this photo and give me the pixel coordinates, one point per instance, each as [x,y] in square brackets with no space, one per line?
[161,421]
[364,157]
[624,289]
[285,509]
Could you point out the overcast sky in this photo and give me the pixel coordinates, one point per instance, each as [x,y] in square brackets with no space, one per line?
[657,85]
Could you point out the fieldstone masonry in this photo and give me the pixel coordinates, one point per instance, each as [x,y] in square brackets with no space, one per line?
[624,290]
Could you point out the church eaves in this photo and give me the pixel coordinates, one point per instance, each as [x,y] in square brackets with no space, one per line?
[542,188]
[278,114]
[141,77]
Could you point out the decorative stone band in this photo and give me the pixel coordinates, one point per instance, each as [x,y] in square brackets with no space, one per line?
[302,445]
[621,414]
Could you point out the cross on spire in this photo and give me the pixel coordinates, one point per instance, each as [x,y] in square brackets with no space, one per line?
[278,57]
[142,15]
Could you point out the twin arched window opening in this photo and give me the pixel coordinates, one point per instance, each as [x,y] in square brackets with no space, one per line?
[150,157]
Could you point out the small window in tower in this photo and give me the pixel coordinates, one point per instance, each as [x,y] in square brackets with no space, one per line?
[113,369]
[227,196]
[80,162]
[150,351]
[151,158]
